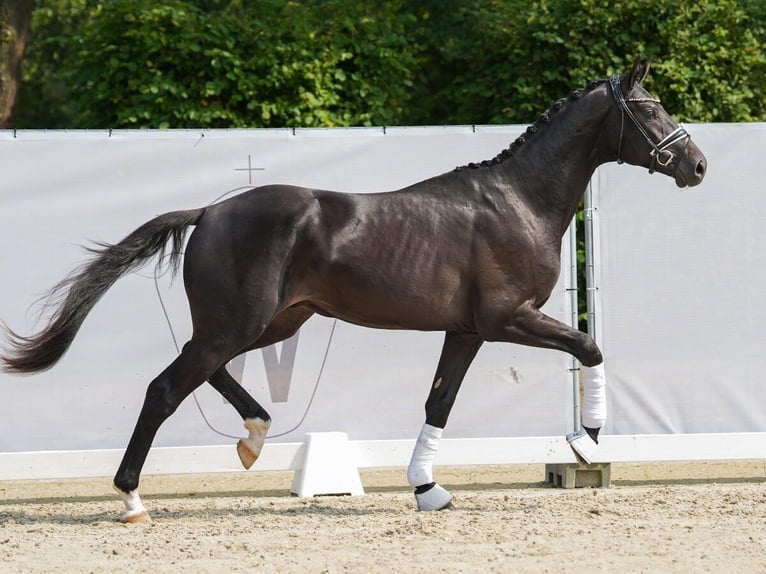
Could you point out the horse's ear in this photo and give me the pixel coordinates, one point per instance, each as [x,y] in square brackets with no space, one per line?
[639,72]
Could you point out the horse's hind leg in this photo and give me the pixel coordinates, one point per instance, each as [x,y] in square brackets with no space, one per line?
[458,352]
[257,420]
[188,371]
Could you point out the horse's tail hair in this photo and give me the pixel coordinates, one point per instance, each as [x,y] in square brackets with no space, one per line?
[74,297]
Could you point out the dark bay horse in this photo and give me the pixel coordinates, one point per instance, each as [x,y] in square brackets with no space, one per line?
[474,253]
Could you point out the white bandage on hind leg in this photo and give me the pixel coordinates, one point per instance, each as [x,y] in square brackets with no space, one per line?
[594,396]
[419,472]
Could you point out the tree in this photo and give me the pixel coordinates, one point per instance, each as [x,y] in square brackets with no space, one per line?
[512,58]
[15,16]
[181,63]
[231,63]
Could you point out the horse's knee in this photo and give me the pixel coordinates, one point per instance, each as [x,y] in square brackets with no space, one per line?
[588,352]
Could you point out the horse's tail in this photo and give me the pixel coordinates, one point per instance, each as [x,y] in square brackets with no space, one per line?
[76,295]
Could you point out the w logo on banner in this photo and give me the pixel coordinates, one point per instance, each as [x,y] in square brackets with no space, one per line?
[279,368]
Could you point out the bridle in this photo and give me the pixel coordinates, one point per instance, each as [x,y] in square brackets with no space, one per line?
[660,152]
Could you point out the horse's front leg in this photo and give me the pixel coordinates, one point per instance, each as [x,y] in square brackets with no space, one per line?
[458,351]
[529,326]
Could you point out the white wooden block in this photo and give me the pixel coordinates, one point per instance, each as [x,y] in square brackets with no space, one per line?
[329,467]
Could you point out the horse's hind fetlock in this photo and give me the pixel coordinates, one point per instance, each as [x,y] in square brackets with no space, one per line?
[125,481]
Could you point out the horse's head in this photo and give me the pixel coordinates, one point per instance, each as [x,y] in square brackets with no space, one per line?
[648,136]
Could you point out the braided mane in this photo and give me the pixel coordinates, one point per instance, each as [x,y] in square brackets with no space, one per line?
[539,123]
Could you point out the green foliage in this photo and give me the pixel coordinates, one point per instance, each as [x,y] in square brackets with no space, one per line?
[231,63]
[513,58]
[176,63]
[44,98]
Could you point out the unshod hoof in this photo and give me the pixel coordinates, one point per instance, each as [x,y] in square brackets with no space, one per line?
[246,455]
[137,518]
[135,513]
[249,448]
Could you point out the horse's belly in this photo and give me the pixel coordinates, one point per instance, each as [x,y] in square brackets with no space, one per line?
[408,301]
[385,319]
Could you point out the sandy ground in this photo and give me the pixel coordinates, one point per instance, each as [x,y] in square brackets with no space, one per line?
[655,518]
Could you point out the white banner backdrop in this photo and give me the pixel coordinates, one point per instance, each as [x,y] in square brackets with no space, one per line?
[681,276]
[63,189]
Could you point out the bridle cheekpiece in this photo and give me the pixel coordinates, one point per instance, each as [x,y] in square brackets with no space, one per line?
[660,152]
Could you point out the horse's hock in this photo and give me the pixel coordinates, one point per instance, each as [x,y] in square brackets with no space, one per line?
[579,475]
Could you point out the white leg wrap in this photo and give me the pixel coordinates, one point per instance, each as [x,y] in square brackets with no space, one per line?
[594,396]
[419,472]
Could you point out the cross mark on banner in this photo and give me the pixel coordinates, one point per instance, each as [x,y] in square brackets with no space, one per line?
[249,169]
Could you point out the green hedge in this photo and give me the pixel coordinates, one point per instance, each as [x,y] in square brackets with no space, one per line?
[216,63]
[503,61]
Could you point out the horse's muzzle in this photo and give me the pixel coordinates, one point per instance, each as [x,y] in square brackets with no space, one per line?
[691,167]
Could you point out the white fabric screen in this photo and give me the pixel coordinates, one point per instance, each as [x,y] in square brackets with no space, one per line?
[681,283]
[62,189]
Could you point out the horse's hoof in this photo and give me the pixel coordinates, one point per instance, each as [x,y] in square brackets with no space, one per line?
[435,498]
[249,448]
[592,433]
[135,513]
[246,455]
[583,445]
[136,518]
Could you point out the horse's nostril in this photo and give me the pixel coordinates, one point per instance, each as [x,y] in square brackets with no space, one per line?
[700,171]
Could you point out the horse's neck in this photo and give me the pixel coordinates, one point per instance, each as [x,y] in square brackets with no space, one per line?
[553,168]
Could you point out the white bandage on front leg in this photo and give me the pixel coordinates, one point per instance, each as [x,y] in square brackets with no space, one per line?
[419,472]
[594,396]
